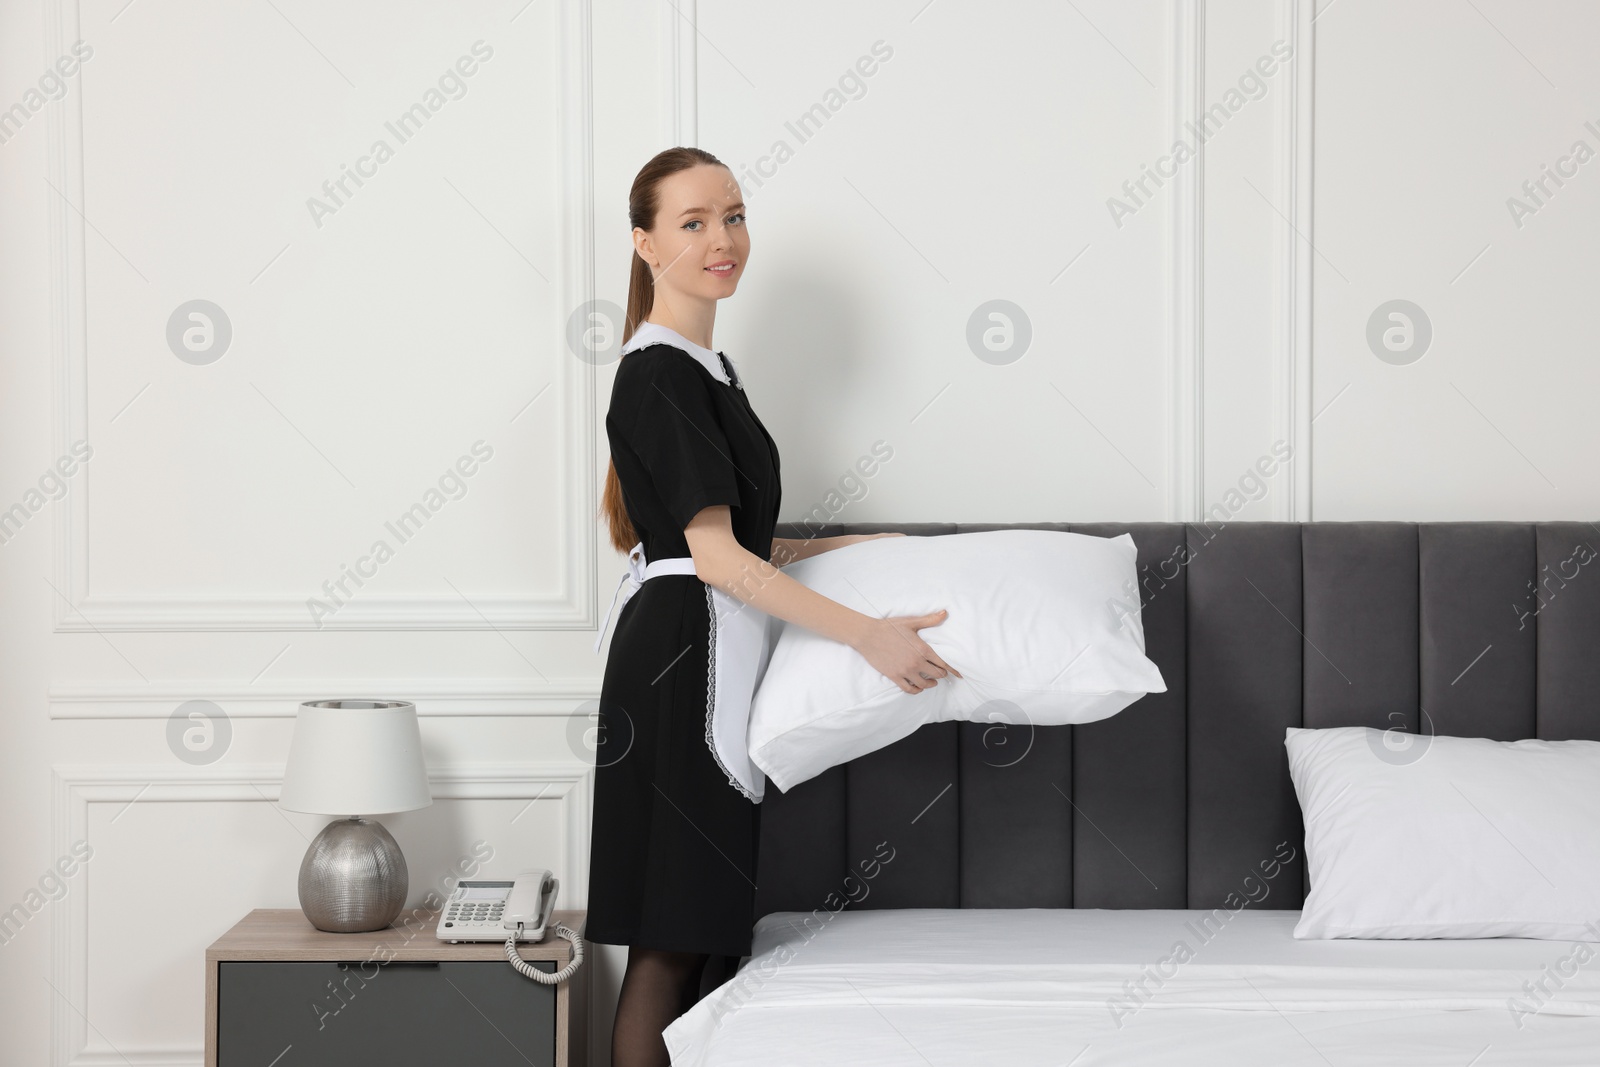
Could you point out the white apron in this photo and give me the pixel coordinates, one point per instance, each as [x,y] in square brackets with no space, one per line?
[739,648]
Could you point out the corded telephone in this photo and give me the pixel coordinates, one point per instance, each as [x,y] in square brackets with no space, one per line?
[482,909]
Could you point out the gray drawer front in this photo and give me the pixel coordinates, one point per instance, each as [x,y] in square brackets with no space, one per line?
[397,1014]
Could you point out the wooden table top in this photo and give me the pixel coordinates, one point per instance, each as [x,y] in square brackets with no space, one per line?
[285,934]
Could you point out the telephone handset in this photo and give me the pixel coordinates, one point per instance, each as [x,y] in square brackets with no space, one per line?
[530,906]
[516,910]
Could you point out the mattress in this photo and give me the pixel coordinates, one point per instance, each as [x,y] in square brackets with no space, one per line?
[1093,987]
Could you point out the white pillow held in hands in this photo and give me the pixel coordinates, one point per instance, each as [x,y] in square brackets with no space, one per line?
[1043,625]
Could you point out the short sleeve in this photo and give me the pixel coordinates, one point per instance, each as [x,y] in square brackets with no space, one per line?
[674,430]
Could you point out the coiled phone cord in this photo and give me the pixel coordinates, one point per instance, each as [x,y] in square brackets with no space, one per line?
[527,970]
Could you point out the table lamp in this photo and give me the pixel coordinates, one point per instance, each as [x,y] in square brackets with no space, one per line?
[354,758]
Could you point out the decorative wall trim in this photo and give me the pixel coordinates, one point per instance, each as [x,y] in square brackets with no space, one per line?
[680,59]
[74,787]
[68,310]
[572,609]
[574,605]
[1186,271]
[1292,384]
[434,697]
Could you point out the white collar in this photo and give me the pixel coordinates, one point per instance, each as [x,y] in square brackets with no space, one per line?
[651,333]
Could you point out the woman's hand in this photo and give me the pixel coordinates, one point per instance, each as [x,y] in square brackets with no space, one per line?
[895,650]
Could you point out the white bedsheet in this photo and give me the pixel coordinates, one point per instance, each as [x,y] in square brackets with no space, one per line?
[1092,987]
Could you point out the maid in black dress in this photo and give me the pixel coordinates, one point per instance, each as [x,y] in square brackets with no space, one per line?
[673,847]
[672,869]
[673,865]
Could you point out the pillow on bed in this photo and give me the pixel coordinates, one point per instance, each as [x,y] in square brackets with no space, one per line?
[1416,836]
[1043,625]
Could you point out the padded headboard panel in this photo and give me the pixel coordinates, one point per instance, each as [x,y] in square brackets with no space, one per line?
[1481,629]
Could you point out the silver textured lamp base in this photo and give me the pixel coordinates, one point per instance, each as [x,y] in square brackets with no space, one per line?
[353,878]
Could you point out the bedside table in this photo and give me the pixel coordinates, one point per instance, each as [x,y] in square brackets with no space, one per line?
[279,989]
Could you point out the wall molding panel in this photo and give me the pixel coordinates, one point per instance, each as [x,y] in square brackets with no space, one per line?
[558,697]
[80,609]
[1186,272]
[1184,398]
[680,71]
[75,787]
[1292,412]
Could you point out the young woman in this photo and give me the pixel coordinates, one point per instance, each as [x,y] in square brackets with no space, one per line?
[693,489]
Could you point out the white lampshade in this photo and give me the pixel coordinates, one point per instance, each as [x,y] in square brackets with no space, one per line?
[355,757]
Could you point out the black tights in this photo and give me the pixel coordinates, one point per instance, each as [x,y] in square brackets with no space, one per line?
[657,987]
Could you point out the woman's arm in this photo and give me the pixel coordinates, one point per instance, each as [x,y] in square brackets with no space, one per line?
[891,645]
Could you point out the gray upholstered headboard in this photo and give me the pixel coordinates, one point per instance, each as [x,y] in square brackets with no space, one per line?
[1485,629]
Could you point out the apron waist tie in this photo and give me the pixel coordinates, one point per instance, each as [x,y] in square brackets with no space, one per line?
[640,572]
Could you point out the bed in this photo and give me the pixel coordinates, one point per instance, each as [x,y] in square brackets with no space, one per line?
[977,893]
[1094,987]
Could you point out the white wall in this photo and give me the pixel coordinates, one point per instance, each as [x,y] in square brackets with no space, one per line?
[374,344]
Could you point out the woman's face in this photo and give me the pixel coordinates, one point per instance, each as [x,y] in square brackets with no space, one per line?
[699,245]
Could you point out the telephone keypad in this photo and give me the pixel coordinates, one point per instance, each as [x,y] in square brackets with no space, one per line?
[475,913]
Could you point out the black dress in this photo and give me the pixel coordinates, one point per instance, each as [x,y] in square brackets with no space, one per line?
[673,844]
